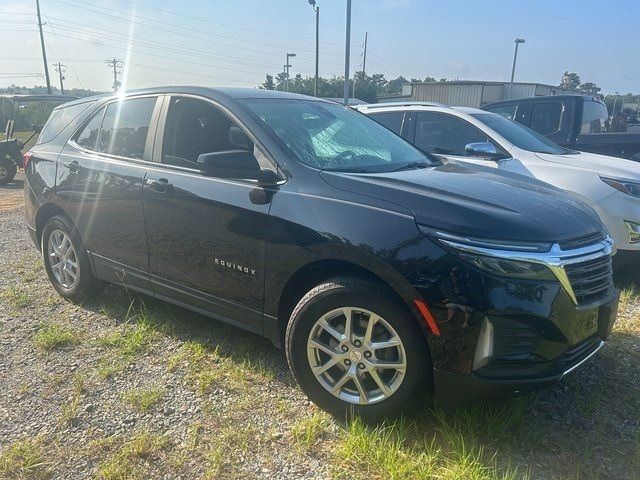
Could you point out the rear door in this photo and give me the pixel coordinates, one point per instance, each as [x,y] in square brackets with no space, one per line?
[99,184]
[206,235]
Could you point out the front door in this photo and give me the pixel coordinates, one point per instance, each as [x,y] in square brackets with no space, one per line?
[99,180]
[205,235]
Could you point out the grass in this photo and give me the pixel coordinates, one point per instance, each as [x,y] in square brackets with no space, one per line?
[53,336]
[143,399]
[307,431]
[16,297]
[402,450]
[69,410]
[129,341]
[25,459]
[132,458]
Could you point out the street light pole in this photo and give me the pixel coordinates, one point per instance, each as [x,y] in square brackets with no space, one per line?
[347,51]
[317,10]
[518,41]
[286,66]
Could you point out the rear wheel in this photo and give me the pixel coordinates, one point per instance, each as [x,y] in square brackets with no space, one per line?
[67,262]
[354,350]
[8,169]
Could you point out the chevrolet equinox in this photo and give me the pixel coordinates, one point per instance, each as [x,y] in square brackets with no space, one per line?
[388,278]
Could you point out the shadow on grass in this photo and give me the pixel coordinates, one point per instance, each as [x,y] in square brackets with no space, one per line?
[234,344]
[586,427]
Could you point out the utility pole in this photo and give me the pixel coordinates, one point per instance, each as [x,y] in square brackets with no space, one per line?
[116,65]
[317,10]
[59,68]
[44,53]
[347,51]
[286,84]
[518,41]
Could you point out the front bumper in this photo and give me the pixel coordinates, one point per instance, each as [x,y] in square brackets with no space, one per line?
[454,389]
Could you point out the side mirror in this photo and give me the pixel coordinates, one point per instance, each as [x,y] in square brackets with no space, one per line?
[235,164]
[483,149]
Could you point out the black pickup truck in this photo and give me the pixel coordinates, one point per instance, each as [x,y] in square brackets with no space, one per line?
[579,122]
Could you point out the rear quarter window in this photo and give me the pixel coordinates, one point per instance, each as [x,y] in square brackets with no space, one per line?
[59,119]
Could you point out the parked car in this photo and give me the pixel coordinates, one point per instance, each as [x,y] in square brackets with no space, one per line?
[386,276]
[577,122]
[610,185]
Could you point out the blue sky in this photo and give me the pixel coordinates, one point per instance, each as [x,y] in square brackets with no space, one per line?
[237,42]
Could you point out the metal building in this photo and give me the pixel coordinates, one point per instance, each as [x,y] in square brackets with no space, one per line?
[471,93]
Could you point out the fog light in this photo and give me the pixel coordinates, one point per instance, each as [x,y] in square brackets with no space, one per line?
[484,349]
[633,229]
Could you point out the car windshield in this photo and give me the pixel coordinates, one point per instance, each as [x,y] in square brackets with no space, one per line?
[329,136]
[519,135]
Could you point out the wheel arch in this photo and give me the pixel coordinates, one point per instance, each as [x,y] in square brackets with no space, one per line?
[313,273]
[45,212]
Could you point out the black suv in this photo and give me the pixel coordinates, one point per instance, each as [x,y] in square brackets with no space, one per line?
[387,277]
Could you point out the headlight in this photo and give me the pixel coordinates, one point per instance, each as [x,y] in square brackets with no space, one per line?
[508,268]
[624,186]
[498,257]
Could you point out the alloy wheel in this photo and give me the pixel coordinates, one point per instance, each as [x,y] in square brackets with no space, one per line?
[62,259]
[356,355]
[4,173]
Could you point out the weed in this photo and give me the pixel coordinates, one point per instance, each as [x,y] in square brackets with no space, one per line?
[143,399]
[24,459]
[51,336]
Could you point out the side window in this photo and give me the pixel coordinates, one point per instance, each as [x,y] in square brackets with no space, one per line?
[391,120]
[125,127]
[88,136]
[194,127]
[546,117]
[595,119]
[445,134]
[59,119]
[507,111]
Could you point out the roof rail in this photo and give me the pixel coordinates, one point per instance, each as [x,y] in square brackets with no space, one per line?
[372,106]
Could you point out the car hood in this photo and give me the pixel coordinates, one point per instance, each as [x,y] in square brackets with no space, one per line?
[601,164]
[478,201]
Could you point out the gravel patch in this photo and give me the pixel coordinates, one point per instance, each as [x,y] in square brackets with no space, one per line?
[130,383]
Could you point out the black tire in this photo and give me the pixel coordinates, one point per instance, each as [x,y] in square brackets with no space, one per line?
[8,170]
[416,387]
[86,285]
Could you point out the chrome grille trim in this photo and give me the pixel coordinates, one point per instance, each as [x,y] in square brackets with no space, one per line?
[555,259]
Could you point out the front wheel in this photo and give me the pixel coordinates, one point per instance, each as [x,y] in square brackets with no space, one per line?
[354,350]
[8,170]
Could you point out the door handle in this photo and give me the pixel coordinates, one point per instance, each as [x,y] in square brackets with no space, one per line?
[73,166]
[160,185]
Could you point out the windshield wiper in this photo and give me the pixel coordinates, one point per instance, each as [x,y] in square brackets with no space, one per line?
[348,170]
[412,166]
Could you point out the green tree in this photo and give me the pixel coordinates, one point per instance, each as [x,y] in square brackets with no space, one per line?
[268,84]
[590,88]
[570,80]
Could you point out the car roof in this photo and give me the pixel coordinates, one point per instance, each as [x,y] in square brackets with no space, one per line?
[545,97]
[215,93]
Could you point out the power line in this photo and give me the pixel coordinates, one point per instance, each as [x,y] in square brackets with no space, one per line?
[129,19]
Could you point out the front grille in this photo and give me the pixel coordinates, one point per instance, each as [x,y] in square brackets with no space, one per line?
[582,241]
[590,279]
